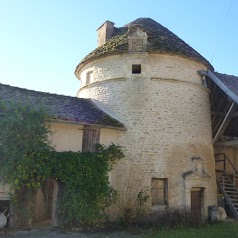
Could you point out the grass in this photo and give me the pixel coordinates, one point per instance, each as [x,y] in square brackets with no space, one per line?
[216,230]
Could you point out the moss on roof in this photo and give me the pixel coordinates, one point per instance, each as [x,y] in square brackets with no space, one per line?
[77,110]
[160,40]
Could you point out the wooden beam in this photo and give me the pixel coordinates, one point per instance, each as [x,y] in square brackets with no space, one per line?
[229,137]
[228,143]
[220,114]
[223,114]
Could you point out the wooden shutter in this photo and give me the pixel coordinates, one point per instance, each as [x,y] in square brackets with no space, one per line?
[91,136]
[159,191]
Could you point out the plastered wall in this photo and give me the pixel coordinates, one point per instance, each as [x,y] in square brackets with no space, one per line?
[66,136]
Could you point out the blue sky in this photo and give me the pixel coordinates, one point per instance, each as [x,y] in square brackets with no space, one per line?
[42,41]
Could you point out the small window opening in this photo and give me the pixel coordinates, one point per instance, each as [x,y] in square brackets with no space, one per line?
[136,68]
[89,77]
[159,191]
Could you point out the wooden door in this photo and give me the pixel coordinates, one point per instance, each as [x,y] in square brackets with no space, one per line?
[196,203]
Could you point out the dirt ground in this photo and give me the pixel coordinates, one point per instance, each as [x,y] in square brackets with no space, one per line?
[47,232]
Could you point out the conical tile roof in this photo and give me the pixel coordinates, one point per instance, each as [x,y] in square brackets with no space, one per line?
[160,40]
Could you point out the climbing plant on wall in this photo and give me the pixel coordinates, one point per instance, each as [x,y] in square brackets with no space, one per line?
[87,191]
[27,159]
[24,152]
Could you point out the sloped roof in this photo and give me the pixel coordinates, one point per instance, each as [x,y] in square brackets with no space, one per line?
[160,40]
[230,82]
[73,109]
[230,89]
[224,90]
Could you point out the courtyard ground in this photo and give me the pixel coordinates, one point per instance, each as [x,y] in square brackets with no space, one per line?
[49,233]
[217,230]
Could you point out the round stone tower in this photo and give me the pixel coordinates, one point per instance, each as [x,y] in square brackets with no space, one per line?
[146,77]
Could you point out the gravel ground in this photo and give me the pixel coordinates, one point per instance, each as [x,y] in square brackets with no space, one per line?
[49,233]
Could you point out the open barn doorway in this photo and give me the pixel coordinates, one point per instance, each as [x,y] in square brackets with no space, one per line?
[44,213]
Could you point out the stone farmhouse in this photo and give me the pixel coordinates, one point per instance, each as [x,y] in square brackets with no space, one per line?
[176,119]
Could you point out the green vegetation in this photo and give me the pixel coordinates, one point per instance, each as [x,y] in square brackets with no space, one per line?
[24,156]
[216,230]
[27,159]
[87,191]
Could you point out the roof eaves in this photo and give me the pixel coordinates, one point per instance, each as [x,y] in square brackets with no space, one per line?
[220,84]
[122,128]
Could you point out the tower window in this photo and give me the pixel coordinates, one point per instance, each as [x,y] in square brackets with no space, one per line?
[89,77]
[136,69]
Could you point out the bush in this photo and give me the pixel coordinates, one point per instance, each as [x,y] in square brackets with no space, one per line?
[169,217]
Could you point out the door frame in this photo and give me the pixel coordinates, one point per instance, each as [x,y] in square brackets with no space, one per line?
[201,191]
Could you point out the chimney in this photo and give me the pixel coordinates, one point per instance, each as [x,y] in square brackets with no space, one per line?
[105,32]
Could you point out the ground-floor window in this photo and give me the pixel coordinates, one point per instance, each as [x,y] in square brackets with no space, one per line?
[159,191]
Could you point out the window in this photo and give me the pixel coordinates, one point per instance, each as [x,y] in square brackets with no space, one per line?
[159,191]
[89,77]
[136,68]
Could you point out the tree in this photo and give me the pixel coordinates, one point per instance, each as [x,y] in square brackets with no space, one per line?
[24,155]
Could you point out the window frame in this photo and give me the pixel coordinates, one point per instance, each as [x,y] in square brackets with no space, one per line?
[156,190]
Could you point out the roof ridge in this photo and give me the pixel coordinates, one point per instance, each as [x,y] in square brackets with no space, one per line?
[38,92]
[229,75]
[67,108]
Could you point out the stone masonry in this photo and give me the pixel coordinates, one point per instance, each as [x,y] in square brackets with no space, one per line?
[166,111]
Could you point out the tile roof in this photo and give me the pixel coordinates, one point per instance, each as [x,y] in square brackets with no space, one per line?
[230,81]
[73,109]
[222,91]
[160,40]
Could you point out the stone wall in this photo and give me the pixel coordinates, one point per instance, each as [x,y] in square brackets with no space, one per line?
[153,65]
[105,32]
[166,111]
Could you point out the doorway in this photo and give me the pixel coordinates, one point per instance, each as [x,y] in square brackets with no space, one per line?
[197,195]
[44,204]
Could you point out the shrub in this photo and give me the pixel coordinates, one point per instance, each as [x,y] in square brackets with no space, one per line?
[169,217]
